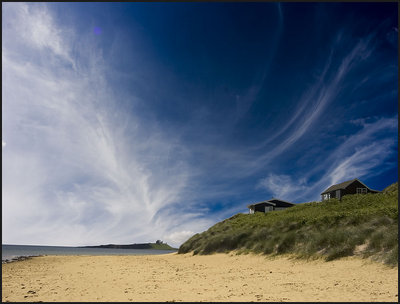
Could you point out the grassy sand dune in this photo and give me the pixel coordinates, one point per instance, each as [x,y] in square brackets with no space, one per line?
[184,277]
[214,270]
[364,225]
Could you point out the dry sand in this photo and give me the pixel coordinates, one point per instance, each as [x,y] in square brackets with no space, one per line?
[219,277]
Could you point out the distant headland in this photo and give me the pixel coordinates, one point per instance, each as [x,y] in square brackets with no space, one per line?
[159,245]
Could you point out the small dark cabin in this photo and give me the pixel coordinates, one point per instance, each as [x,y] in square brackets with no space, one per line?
[270,205]
[353,186]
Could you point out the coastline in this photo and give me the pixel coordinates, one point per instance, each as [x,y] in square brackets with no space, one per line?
[19,258]
[184,277]
[11,253]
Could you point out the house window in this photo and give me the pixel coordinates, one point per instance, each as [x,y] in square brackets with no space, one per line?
[361,190]
[326,196]
[269,208]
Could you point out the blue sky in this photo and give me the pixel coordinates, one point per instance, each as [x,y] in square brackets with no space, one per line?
[132,122]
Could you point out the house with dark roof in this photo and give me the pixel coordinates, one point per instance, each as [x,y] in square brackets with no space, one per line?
[353,186]
[270,205]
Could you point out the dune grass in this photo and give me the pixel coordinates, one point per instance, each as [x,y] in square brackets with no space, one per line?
[359,224]
[162,246]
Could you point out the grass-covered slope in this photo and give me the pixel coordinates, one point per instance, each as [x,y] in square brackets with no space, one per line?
[360,224]
[157,246]
[162,246]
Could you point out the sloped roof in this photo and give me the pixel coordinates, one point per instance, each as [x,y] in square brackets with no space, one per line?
[271,201]
[263,202]
[344,185]
[280,200]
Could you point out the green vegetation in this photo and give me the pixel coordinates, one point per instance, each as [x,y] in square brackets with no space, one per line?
[161,246]
[362,224]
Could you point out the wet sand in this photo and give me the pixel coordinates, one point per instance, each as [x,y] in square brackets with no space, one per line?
[218,277]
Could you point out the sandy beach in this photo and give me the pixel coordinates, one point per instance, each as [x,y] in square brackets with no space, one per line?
[218,277]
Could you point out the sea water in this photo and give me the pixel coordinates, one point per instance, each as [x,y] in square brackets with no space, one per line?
[10,252]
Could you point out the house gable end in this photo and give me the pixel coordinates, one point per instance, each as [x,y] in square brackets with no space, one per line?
[339,186]
[347,187]
[352,188]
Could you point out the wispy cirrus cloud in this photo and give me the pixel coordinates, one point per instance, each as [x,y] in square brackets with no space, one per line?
[108,143]
[362,154]
[329,82]
[313,103]
[281,186]
[89,173]
[37,30]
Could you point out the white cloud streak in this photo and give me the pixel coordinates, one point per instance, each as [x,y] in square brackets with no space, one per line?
[315,101]
[80,170]
[282,186]
[179,237]
[362,154]
[35,28]
[310,107]
[80,167]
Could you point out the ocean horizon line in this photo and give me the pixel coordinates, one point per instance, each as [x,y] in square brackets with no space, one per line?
[12,252]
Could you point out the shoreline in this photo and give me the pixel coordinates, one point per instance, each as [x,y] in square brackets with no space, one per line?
[184,277]
[19,258]
[12,253]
